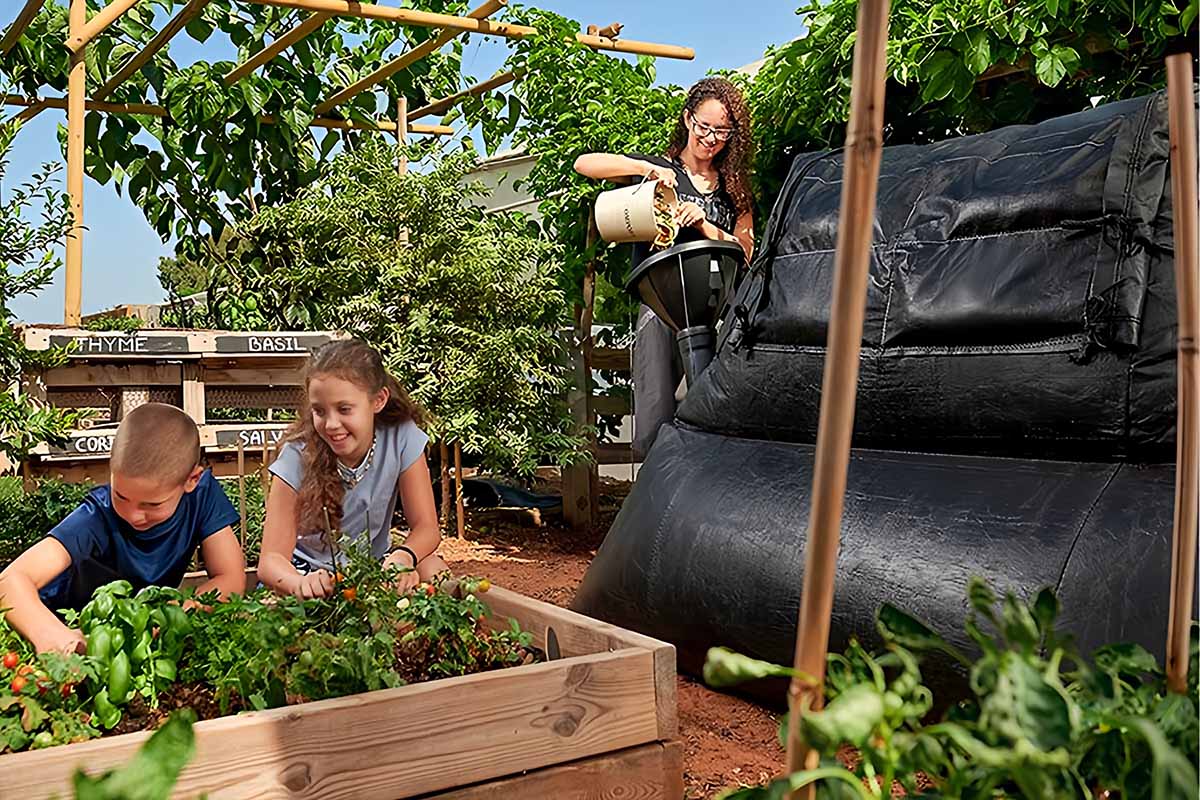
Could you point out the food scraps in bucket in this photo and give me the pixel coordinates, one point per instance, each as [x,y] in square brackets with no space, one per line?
[664,220]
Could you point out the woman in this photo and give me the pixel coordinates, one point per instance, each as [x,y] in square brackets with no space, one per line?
[707,164]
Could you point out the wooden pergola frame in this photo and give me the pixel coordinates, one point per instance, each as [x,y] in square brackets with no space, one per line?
[82,31]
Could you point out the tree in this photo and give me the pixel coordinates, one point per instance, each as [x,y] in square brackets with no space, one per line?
[213,161]
[1050,57]
[26,266]
[463,304]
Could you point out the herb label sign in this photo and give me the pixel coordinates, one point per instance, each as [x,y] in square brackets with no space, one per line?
[269,343]
[120,344]
[249,437]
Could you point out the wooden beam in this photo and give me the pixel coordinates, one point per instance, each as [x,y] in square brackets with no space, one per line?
[860,181]
[141,58]
[408,16]
[31,9]
[1182,131]
[441,106]
[96,25]
[411,57]
[153,110]
[76,113]
[276,47]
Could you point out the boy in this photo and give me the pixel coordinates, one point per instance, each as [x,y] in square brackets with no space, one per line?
[143,527]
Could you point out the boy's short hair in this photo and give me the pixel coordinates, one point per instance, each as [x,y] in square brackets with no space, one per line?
[156,440]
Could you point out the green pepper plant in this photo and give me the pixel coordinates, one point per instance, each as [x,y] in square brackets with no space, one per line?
[1041,723]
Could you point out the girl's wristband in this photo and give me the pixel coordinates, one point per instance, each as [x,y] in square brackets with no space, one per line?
[409,550]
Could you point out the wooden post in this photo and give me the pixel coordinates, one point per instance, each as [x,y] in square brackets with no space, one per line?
[460,518]
[193,393]
[444,460]
[581,482]
[402,155]
[242,489]
[76,89]
[264,476]
[862,153]
[1182,127]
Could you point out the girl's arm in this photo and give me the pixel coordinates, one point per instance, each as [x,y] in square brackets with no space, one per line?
[416,497]
[743,233]
[279,540]
[613,167]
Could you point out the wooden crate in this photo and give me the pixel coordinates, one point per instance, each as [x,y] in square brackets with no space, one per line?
[598,722]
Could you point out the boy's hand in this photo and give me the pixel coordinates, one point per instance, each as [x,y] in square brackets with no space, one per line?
[65,641]
[314,585]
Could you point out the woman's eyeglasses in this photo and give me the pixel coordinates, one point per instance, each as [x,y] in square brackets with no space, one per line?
[703,130]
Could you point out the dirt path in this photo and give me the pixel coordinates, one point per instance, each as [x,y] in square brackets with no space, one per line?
[727,741]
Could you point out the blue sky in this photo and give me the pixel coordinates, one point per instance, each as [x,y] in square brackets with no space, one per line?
[121,251]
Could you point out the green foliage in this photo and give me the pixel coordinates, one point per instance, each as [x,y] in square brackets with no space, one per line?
[26,267]
[575,100]
[213,160]
[466,314]
[40,705]
[108,322]
[256,513]
[1042,722]
[27,516]
[1062,53]
[152,773]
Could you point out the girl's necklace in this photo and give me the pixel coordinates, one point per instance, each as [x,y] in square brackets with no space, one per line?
[352,475]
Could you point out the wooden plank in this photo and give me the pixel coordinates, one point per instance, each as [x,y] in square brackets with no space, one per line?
[113,375]
[578,634]
[615,453]
[444,104]
[253,376]
[271,342]
[13,34]
[394,743]
[96,25]
[143,56]
[411,57]
[617,359]
[408,16]
[283,42]
[650,772]
[193,393]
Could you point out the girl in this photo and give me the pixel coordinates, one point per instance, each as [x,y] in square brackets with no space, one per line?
[353,451]
[708,164]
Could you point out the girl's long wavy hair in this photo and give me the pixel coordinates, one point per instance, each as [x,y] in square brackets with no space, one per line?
[321,488]
[733,162]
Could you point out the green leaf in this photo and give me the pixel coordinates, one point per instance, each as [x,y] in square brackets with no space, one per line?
[1173,775]
[1024,706]
[938,76]
[850,718]
[723,667]
[199,29]
[978,56]
[1052,7]
[1126,660]
[1188,16]
[256,93]
[152,773]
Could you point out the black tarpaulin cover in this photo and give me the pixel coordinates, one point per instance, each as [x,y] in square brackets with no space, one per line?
[1016,402]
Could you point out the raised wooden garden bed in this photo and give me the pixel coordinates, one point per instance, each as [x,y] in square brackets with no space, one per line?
[599,721]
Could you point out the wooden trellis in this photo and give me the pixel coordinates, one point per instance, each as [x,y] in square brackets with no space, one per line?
[82,31]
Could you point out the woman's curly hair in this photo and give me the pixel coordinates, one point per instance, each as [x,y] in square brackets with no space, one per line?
[321,487]
[733,162]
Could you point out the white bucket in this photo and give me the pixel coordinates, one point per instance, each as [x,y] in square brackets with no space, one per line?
[627,214]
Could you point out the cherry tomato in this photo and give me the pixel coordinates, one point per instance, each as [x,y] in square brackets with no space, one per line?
[18,683]
[24,669]
[350,594]
[306,659]
[484,585]
[66,689]
[11,659]
[429,590]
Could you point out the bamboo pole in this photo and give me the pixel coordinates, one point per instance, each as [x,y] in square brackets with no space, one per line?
[459,518]
[440,106]
[276,47]
[13,34]
[401,152]
[862,153]
[444,461]
[411,57]
[76,112]
[96,25]
[153,110]
[427,19]
[242,490]
[160,40]
[1182,129]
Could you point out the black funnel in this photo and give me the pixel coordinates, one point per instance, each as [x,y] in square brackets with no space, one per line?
[685,286]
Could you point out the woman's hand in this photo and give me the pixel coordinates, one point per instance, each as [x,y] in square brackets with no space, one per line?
[656,173]
[406,581]
[689,214]
[314,585]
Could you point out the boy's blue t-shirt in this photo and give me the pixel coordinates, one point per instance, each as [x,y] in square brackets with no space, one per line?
[157,556]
